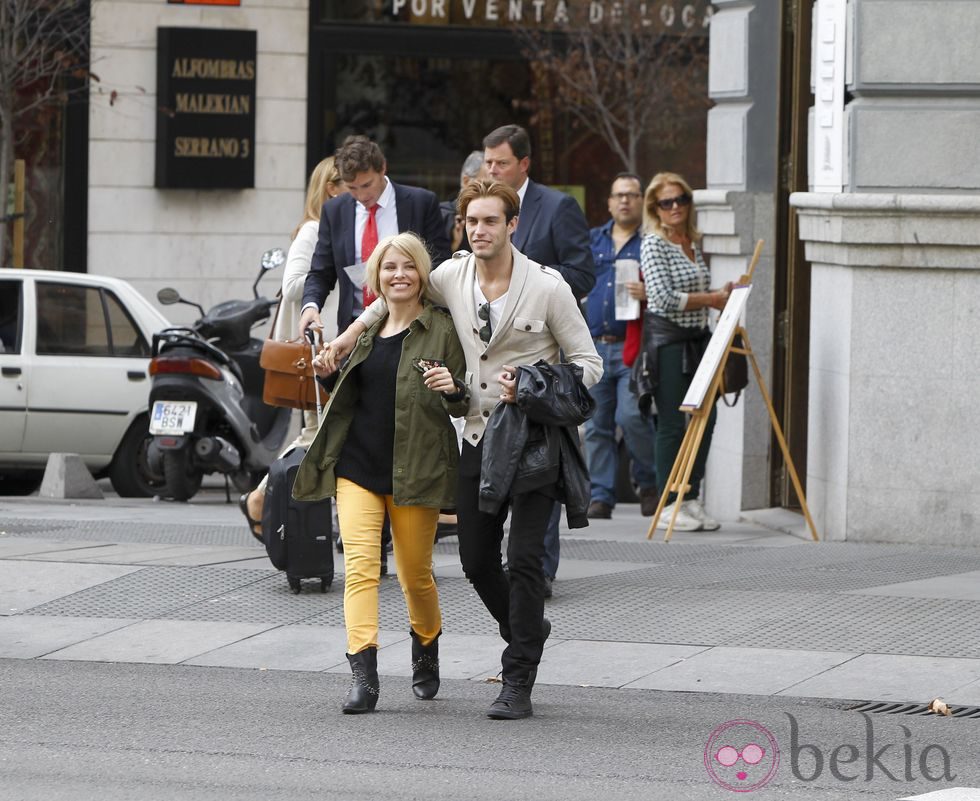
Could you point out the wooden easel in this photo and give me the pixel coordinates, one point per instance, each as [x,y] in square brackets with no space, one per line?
[680,475]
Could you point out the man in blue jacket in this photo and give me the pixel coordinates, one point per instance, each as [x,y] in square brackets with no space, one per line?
[619,239]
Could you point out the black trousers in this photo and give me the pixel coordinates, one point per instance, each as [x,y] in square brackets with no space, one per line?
[516,598]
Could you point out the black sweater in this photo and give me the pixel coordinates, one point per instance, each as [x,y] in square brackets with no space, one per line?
[366,458]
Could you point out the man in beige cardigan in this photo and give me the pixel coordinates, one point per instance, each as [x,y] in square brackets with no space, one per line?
[508,311]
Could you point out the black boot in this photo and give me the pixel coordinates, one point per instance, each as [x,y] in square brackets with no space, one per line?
[364,687]
[425,668]
[513,703]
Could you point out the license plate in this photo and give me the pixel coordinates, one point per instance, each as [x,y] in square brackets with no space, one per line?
[172,417]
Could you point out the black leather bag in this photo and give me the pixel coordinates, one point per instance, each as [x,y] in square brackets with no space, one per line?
[735,375]
[553,394]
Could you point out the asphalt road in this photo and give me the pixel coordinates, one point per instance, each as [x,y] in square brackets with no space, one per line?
[73,730]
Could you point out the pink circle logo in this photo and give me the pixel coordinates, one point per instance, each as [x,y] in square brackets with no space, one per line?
[741,755]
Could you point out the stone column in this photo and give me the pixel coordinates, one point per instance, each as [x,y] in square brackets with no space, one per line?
[735,211]
[893,449]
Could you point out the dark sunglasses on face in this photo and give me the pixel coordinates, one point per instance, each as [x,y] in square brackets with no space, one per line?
[483,312]
[669,202]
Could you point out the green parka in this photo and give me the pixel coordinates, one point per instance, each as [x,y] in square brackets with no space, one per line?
[426,449]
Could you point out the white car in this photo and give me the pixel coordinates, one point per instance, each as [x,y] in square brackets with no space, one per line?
[74,357]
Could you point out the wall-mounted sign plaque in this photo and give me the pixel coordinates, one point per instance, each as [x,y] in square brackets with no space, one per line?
[205,108]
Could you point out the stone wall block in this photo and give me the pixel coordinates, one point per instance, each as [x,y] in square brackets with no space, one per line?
[930,45]
[914,145]
[727,126]
[907,307]
[728,65]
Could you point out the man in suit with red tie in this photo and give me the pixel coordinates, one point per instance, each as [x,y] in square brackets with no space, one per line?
[551,230]
[352,224]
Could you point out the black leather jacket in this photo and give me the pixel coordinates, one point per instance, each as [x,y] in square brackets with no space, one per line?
[657,332]
[533,444]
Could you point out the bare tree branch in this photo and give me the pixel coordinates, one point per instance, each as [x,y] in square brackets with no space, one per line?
[625,78]
[42,42]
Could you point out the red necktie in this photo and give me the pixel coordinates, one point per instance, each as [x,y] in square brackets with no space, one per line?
[369,241]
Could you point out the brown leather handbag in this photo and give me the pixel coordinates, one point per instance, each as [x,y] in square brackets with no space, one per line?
[289,377]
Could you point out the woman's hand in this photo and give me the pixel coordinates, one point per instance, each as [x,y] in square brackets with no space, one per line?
[637,290]
[333,353]
[323,362]
[508,384]
[720,296]
[439,379]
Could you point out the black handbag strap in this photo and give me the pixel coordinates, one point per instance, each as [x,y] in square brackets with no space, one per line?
[724,397]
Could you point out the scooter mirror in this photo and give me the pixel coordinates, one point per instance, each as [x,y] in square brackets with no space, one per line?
[168,296]
[273,258]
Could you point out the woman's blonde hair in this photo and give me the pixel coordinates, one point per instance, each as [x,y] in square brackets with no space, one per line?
[410,246]
[323,178]
[651,220]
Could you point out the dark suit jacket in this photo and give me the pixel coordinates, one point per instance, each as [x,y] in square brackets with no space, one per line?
[552,231]
[417,211]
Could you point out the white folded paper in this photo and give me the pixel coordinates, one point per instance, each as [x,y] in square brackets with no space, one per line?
[357,273]
[627,272]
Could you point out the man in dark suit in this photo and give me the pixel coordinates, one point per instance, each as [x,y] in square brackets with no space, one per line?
[351,224]
[551,230]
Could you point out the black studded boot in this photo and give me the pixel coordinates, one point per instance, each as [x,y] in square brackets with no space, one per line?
[425,668]
[364,687]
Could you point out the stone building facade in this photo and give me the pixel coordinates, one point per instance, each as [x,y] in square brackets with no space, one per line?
[892,254]
[206,242]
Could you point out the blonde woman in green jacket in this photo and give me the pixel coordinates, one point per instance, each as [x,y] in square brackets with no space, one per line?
[386,444]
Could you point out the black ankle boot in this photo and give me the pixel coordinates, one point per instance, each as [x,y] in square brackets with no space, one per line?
[364,687]
[425,668]
[513,703]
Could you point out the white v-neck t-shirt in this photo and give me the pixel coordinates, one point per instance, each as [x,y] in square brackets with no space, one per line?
[496,306]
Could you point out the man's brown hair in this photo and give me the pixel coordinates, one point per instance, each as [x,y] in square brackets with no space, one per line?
[358,154]
[513,135]
[482,187]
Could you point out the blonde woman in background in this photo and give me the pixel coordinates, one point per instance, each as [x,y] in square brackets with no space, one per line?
[675,330]
[325,183]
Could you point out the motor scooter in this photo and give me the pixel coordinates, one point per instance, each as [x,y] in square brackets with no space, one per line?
[206,409]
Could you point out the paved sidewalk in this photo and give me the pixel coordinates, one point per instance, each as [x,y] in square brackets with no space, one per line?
[746,610]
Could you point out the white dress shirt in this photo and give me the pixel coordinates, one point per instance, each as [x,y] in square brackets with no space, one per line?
[522,191]
[386,218]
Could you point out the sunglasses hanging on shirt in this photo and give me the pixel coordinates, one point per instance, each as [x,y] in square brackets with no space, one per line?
[483,312]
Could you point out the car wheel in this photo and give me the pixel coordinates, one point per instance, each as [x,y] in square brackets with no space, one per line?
[130,472]
[22,484]
[182,479]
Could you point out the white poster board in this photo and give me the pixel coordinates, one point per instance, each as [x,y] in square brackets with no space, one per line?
[717,346]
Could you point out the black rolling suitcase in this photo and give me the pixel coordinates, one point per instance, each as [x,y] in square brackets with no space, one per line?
[298,534]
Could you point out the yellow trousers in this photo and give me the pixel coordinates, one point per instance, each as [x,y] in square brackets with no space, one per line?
[361,514]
